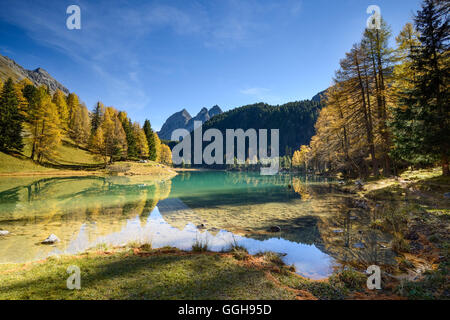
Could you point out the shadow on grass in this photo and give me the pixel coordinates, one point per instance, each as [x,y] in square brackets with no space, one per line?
[155,277]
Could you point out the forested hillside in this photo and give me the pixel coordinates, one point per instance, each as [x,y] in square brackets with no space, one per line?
[295,120]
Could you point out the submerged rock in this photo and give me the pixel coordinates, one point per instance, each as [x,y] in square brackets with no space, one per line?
[274,229]
[51,239]
[4,232]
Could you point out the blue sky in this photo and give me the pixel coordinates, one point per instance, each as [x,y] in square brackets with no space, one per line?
[153,58]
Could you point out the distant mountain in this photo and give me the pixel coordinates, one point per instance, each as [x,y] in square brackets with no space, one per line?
[183,120]
[9,68]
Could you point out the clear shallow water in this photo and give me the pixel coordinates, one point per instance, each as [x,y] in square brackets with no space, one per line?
[319,231]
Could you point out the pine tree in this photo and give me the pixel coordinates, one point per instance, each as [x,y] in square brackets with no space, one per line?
[152,152]
[421,125]
[97,116]
[10,118]
[131,139]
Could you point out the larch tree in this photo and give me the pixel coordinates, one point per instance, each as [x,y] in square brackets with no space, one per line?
[141,141]
[73,103]
[81,125]
[44,123]
[166,154]
[60,100]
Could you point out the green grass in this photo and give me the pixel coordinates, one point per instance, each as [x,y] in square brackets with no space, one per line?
[128,276]
[10,164]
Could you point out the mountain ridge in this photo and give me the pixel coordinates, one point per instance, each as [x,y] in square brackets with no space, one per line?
[183,120]
[38,76]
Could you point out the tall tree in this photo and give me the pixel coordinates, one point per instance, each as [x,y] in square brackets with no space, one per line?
[10,118]
[59,99]
[44,123]
[81,125]
[422,125]
[166,154]
[141,140]
[73,104]
[152,152]
[110,139]
[97,116]
[129,133]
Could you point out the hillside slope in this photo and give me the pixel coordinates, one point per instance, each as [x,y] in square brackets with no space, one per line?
[295,120]
[9,68]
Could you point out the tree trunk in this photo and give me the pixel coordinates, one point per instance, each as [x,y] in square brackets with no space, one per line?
[445,168]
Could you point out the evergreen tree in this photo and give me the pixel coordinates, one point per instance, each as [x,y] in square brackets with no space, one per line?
[152,151]
[97,116]
[10,118]
[131,139]
[421,125]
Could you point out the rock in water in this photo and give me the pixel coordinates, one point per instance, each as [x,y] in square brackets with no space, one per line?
[51,239]
[275,229]
[3,232]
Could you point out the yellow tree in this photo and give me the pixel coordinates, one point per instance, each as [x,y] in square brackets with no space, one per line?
[166,154]
[141,140]
[114,143]
[73,103]
[81,125]
[157,147]
[59,99]
[45,127]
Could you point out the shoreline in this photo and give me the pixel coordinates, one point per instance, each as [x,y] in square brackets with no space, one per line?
[414,268]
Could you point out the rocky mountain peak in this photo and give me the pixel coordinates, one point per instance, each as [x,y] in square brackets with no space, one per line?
[183,120]
[39,76]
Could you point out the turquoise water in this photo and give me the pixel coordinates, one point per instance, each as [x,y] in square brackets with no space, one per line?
[318,228]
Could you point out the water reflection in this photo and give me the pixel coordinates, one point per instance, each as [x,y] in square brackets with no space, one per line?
[318,224]
[309,260]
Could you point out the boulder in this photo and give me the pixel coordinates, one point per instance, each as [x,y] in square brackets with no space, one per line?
[274,229]
[51,239]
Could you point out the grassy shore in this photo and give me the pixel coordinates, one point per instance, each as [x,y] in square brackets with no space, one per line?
[415,209]
[145,273]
